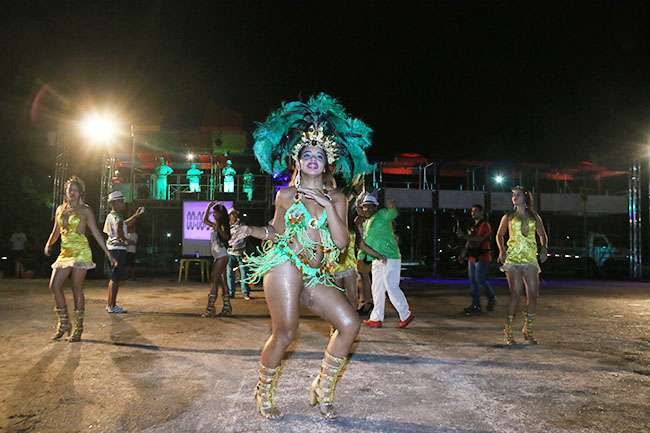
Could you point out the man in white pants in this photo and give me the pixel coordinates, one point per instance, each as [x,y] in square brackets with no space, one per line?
[378,234]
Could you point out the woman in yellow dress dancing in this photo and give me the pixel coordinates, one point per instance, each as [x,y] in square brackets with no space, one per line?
[520,259]
[70,223]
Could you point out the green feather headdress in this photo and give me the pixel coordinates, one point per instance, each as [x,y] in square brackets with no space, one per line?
[292,126]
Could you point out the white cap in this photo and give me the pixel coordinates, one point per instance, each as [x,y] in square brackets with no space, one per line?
[115,195]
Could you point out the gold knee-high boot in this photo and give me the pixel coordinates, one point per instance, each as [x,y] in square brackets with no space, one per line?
[63,324]
[529,327]
[322,388]
[78,326]
[210,311]
[264,392]
[507,331]
[227,308]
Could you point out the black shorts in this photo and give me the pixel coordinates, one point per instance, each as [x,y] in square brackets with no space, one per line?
[117,272]
[130,259]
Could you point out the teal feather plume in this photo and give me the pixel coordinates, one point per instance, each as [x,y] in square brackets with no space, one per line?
[276,137]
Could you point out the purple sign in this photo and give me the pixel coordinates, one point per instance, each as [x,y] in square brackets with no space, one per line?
[193,227]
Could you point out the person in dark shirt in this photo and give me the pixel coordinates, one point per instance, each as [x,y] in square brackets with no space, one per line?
[477,253]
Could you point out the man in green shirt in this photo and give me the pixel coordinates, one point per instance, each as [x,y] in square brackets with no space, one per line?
[378,234]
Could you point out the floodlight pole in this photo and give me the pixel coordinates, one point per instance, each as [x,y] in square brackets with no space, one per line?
[61,167]
[634,210]
[132,164]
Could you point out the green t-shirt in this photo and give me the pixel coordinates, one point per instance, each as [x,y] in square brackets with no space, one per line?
[378,234]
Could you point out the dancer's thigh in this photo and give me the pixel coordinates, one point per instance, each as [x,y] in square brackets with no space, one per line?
[531,277]
[515,282]
[330,304]
[282,287]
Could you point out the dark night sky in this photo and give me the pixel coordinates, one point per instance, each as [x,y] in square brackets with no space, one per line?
[520,81]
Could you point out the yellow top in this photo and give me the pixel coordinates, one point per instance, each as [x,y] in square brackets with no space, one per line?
[75,251]
[521,249]
[347,259]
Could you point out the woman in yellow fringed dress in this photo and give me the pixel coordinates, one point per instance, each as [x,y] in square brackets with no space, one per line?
[520,260]
[70,223]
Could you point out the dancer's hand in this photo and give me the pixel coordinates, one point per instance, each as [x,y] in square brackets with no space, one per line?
[112,260]
[543,254]
[46,250]
[317,195]
[241,232]
[502,258]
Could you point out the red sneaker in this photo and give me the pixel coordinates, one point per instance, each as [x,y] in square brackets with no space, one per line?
[405,323]
[372,323]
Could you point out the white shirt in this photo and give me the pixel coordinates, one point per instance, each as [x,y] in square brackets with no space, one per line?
[130,248]
[110,228]
[18,241]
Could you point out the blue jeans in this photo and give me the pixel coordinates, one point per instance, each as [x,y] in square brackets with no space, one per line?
[233,262]
[477,273]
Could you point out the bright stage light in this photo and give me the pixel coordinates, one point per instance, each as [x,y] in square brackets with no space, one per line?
[498,179]
[99,127]
[190,157]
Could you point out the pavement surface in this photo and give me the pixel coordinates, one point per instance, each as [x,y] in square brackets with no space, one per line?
[163,368]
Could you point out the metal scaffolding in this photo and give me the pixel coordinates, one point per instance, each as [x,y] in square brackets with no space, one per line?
[634,210]
[60,168]
[108,168]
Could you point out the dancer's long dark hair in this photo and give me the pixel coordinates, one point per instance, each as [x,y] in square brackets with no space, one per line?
[223,222]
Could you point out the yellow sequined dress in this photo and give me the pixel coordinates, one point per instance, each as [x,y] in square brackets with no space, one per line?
[522,250]
[75,251]
[347,264]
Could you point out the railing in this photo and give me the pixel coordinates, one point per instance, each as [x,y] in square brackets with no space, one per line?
[210,188]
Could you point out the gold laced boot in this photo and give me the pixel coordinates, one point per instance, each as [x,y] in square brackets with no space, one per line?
[210,311]
[63,324]
[529,327]
[264,392]
[227,308]
[78,326]
[507,331]
[322,388]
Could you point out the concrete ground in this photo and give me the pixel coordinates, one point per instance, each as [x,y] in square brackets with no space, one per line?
[163,368]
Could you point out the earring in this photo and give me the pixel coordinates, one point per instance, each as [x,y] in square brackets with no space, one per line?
[297,179]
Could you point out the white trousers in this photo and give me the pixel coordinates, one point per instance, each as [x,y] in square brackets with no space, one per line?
[385,278]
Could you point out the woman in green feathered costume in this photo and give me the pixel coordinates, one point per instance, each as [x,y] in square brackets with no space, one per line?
[308,232]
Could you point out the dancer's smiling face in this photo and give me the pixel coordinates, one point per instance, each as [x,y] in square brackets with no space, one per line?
[313,160]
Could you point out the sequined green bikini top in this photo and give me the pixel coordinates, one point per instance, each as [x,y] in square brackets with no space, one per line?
[298,215]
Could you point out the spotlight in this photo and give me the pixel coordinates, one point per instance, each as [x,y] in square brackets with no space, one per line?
[498,179]
[99,127]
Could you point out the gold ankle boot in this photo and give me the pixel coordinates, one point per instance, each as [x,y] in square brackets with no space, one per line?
[264,392]
[63,324]
[322,388]
[227,308]
[210,311]
[529,327]
[78,326]
[507,331]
